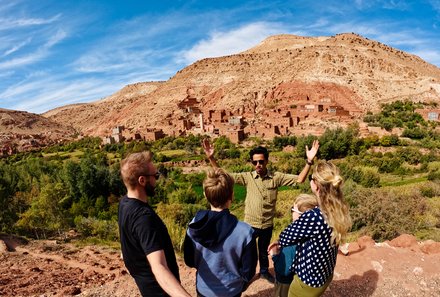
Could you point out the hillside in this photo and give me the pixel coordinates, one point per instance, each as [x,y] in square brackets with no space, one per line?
[88,117]
[402,267]
[354,72]
[20,130]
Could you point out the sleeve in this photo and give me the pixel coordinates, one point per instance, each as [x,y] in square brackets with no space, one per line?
[249,261]
[302,229]
[284,179]
[146,230]
[239,178]
[188,251]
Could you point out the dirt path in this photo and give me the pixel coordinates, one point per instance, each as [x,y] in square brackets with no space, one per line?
[47,268]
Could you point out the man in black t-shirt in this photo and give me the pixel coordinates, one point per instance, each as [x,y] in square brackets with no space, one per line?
[145,243]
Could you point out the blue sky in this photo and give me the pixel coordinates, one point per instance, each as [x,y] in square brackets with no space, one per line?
[54,53]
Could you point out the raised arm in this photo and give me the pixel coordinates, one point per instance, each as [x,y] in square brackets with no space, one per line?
[209,152]
[163,275]
[311,154]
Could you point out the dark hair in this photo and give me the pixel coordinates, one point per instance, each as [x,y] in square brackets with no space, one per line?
[259,150]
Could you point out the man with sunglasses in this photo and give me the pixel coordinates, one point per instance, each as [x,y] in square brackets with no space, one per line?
[261,194]
[146,246]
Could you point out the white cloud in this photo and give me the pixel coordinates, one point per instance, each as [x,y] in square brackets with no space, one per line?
[6,24]
[230,42]
[58,37]
[430,56]
[42,94]
[37,55]
[17,47]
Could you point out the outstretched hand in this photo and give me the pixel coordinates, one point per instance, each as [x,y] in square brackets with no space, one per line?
[313,150]
[208,148]
[274,248]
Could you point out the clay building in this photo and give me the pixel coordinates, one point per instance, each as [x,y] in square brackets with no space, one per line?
[429,114]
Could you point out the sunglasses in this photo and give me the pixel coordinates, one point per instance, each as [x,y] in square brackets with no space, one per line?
[293,209]
[261,162]
[156,175]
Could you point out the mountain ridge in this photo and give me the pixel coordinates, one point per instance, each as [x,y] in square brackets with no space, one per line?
[348,70]
[374,73]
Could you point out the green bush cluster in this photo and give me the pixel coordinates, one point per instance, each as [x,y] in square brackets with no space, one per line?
[386,213]
[364,176]
[102,229]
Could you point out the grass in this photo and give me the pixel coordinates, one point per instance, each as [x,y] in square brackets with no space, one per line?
[434,165]
[174,153]
[398,181]
[239,192]
[74,156]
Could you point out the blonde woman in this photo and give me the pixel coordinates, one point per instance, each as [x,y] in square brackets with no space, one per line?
[318,233]
[284,258]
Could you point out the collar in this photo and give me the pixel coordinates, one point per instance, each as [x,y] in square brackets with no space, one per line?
[255,175]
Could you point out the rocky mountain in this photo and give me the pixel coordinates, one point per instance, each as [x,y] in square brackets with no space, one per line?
[352,71]
[20,130]
[91,117]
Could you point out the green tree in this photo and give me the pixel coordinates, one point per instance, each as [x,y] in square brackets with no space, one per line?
[45,214]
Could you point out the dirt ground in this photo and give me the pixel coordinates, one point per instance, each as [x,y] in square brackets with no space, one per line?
[50,268]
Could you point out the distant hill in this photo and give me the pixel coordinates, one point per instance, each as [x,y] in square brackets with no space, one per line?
[356,72]
[20,130]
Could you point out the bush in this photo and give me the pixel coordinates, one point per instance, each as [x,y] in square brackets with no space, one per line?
[389,165]
[430,189]
[434,175]
[103,229]
[385,214]
[176,217]
[184,195]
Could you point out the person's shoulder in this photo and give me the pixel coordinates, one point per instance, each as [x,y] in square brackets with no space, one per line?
[245,228]
[278,174]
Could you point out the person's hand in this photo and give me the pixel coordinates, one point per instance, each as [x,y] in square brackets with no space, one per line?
[208,148]
[274,248]
[313,150]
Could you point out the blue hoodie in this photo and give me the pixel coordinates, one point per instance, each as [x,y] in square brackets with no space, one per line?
[223,251]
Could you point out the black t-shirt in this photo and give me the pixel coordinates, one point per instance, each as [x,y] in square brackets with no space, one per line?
[143,232]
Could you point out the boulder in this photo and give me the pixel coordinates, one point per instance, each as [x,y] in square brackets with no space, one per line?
[430,247]
[3,247]
[404,241]
[365,241]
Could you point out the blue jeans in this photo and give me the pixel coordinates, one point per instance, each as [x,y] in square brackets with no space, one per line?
[264,236]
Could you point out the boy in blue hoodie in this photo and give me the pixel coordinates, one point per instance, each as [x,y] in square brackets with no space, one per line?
[221,248]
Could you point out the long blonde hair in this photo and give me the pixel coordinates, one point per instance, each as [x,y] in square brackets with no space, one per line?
[331,200]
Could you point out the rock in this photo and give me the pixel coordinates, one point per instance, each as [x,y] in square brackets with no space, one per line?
[365,241]
[404,241]
[377,266]
[430,247]
[353,247]
[3,247]
[71,291]
[418,270]
[344,248]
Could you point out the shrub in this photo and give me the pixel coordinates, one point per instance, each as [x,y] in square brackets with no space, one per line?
[103,229]
[430,189]
[176,217]
[434,175]
[384,213]
[184,195]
